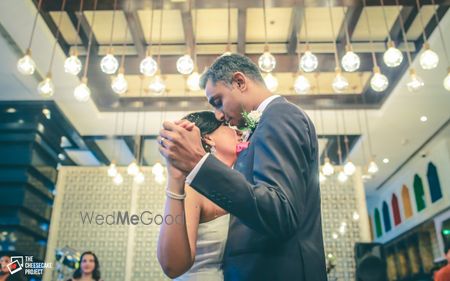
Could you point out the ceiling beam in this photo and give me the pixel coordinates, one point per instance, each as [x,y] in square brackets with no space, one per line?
[96,150]
[186,17]
[294,29]
[351,18]
[242,23]
[136,31]
[204,4]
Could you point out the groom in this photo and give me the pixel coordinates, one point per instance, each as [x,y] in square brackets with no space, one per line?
[273,191]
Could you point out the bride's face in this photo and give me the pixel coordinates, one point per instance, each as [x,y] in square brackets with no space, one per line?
[225,140]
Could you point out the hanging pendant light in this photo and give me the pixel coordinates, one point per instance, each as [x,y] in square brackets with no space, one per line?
[185,65]
[349,168]
[72,64]
[447,81]
[392,57]
[308,62]
[119,84]
[327,168]
[26,64]
[428,59]
[148,66]
[342,177]
[139,178]
[415,83]
[271,82]
[109,64]
[372,168]
[46,88]
[112,169]
[133,168]
[267,62]
[82,92]
[340,83]
[157,86]
[193,81]
[118,179]
[379,82]
[350,61]
[302,85]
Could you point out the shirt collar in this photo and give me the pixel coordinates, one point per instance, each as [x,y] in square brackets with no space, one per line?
[266,102]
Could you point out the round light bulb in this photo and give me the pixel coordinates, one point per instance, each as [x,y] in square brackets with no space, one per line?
[139,178]
[157,86]
[193,81]
[340,83]
[428,59]
[133,169]
[160,179]
[72,65]
[118,179]
[82,92]
[392,57]
[112,170]
[355,216]
[350,61]
[109,64]
[447,82]
[267,62]
[148,66]
[415,83]
[379,82]
[157,169]
[327,168]
[335,236]
[322,178]
[185,65]
[46,88]
[301,85]
[271,82]
[119,84]
[349,168]
[26,65]
[342,177]
[308,62]
[373,167]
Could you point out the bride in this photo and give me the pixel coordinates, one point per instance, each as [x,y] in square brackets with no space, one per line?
[193,250]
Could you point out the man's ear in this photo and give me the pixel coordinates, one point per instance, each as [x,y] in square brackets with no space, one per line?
[241,80]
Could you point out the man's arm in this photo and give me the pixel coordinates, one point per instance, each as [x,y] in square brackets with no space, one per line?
[274,203]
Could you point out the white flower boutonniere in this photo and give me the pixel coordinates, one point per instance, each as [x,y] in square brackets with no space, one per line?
[251,119]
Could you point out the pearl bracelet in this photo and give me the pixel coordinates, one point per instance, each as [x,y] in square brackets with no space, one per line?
[175,196]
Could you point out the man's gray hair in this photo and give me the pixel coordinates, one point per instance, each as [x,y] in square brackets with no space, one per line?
[225,66]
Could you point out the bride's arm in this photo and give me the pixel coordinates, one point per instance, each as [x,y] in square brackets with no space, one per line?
[177,241]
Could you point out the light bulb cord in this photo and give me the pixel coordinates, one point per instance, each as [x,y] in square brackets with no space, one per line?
[383,9]
[265,24]
[63,5]
[80,16]
[33,29]
[369,30]
[112,26]
[122,60]
[345,23]
[424,35]
[150,33]
[160,32]
[333,34]
[88,55]
[402,26]
[447,58]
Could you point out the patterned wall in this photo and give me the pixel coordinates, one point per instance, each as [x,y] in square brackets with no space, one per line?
[129,252]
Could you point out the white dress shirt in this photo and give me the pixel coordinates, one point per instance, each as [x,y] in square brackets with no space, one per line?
[193,173]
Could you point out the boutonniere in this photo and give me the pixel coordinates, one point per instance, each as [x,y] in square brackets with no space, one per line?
[251,120]
[242,146]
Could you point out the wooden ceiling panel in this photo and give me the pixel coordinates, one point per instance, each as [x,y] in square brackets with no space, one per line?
[103,24]
[377,23]
[278,22]
[172,26]
[318,23]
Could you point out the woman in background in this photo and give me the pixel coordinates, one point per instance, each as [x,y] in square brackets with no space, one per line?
[89,269]
[193,248]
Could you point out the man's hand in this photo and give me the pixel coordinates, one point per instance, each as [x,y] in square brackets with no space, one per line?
[181,145]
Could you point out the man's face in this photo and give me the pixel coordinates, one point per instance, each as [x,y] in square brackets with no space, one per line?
[227,101]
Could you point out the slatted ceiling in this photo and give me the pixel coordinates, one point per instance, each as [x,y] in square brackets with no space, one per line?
[103,24]
[278,22]
[212,25]
[318,23]
[377,24]
[415,31]
[173,32]
[68,30]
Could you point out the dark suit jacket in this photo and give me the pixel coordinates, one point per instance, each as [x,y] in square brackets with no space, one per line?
[274,198]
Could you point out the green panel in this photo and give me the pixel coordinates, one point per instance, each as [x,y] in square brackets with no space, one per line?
[419,193]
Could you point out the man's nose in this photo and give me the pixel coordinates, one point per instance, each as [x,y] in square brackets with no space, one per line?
[219,115]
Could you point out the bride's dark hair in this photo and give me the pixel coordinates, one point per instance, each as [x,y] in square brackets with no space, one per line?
[207,123]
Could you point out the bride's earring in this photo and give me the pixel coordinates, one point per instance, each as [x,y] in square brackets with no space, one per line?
[213,150]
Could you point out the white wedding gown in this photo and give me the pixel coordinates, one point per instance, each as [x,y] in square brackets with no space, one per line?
[211,240]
